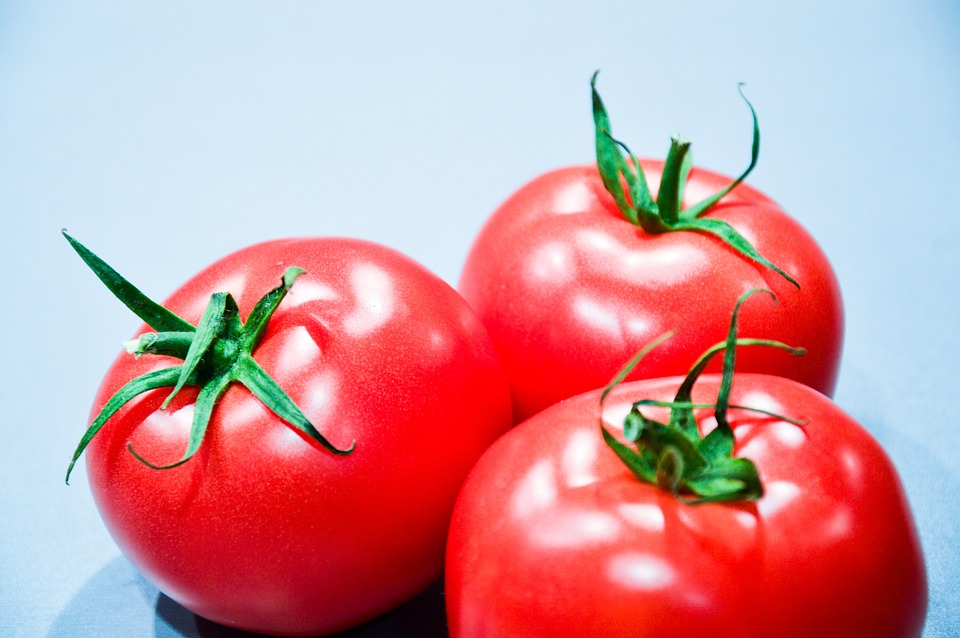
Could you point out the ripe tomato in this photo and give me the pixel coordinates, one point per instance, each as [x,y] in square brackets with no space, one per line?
[263,529]
[552,535]
[569,288]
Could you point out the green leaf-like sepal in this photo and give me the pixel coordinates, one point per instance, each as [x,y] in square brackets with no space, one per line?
[665,214]
[171,344]
[731,479]
[632,363]
[207,332]
[674,455]
[643,467]
[613,165]
[152,313]
[203,409]
[673,180]
[216,353]
[262,312]
[261,385]
[699,208]
[132,389]
[734,239]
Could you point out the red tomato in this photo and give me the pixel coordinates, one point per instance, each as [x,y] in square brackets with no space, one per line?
[553,535]
[264,529]
[568,288]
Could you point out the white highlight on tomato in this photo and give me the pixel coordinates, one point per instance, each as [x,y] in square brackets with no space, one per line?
[297,350]
[574,198]
[598,316]
[838,525]
[579,457]
[618,261]
[552,263]
[321,395]
[637,570]
[776,496]
[537,490]
[789,434]
[646,516]
[170,425]
[305,290]
[373,294]
[572,527]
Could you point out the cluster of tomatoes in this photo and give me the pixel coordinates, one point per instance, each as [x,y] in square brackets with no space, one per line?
[310,431]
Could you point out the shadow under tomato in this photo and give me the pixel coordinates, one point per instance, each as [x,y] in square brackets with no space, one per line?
[421,617]
[118,601]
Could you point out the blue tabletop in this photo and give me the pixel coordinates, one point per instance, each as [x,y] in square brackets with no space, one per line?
[169,134]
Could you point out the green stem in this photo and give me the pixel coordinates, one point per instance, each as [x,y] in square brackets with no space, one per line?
[666,213]
[215,353]
[152,313]
[673,180]
[675,456]
[171,344]
[166,377]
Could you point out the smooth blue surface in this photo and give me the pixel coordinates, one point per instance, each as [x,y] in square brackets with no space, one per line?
[165,135]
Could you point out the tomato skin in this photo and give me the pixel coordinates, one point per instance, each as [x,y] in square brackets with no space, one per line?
[263,529]
[569,290]
[552,535]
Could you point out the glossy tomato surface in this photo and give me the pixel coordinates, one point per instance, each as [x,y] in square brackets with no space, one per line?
[264,529]
[553,536]
[569,289]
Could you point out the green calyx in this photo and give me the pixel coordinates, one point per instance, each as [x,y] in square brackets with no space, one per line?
[674,455]
[666,213]
[217,352]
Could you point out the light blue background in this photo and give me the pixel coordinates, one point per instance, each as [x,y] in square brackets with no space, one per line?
[167,134]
